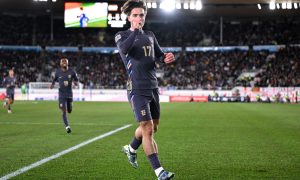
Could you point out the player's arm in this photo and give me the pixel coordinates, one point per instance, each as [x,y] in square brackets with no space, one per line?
[160,55]
[75,78]
[124,44]
[54,80]
[4,83]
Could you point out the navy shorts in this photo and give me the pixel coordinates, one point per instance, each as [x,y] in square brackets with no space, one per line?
[65,103]
[10,96]
[145,104]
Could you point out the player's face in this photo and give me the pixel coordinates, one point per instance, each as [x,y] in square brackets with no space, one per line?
[64,63]
[137,16]
[11,73]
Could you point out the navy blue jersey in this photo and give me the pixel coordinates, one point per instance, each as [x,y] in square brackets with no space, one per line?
[139,50]
[9,83]
[65,79]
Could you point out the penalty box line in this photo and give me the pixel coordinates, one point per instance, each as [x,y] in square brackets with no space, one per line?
[38,163]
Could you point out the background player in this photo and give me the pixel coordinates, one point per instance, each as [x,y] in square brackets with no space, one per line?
[65,77]
[9,82]
[139,51]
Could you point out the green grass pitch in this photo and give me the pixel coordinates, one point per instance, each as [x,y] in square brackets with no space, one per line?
[195,140]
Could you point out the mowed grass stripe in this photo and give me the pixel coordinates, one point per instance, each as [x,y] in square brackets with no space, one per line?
[36,164]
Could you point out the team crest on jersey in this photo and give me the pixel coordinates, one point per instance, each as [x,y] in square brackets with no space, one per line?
[143,112]
[118,37]
[66,83]
[69,76]
[151,40]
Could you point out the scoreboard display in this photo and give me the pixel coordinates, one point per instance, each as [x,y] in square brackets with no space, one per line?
[93,15]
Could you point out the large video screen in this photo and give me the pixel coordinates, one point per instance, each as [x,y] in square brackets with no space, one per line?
[85,14]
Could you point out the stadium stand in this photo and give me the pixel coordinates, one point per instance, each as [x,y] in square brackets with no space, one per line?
[192,70]
[250,31]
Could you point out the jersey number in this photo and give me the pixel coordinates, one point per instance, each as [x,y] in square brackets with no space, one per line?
[147,50]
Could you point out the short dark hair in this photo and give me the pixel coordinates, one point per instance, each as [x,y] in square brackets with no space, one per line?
[131,4]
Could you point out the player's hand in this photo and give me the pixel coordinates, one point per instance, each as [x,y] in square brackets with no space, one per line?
[137,25]
[169,58]
[76,85]
[51,86]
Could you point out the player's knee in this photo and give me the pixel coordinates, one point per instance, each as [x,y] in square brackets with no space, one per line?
[149,131]
[147,128]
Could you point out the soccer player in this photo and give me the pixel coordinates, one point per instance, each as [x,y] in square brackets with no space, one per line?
[65,77]
[139,51]
[9,82]
[83,21]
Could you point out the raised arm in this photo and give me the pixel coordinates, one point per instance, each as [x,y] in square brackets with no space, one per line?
[124,43]
[54,80]
[75,77]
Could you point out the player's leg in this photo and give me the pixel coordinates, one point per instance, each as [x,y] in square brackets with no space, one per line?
[147,133]
[130,149]
[69,105]
[10,102]
[62,106]
[9,105]
[155,113]
[136,141]
[144,115]
[149,147]
[5,103]
[155,124]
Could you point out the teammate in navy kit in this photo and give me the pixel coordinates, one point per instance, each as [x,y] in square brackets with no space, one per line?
[65,77]
[140,51]
[9,82]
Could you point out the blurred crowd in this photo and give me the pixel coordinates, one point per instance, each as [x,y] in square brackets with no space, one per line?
[191,70]
[30,30]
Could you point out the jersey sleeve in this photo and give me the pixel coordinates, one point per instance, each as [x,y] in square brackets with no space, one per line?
[159,54]
[4,82]
[124,42]
[75,76]
[55,77]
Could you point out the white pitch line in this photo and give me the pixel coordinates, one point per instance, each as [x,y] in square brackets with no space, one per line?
[38,163]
